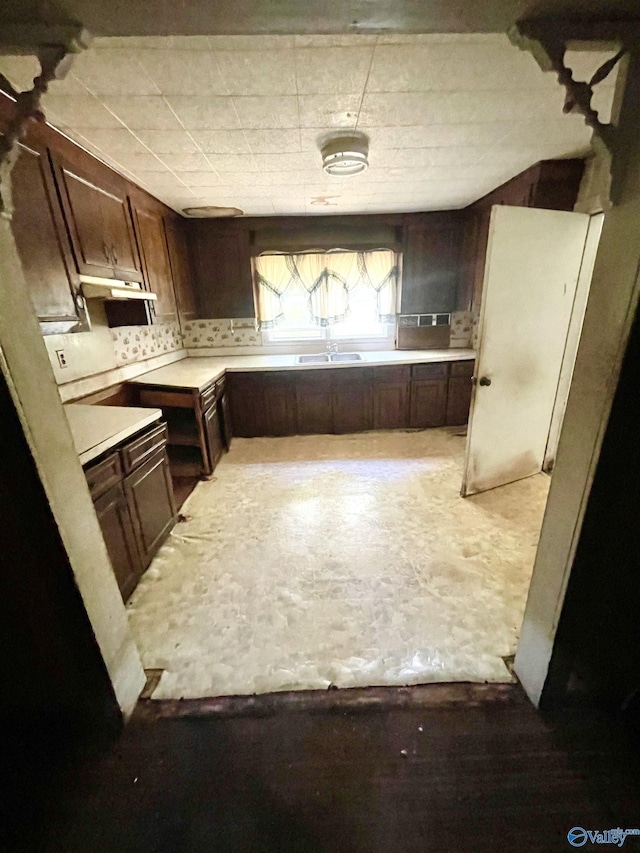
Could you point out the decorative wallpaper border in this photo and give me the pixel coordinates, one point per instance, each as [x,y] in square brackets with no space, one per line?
[135,343]
[221,333]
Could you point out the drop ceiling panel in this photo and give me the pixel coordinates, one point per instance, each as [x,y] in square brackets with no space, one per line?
[237,120]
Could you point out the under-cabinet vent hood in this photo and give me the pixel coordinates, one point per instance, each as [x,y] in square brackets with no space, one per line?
[94,287]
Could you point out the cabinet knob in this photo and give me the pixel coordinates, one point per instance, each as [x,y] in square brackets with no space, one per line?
[484,380]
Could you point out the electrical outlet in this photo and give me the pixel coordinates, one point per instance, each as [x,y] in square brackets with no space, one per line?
[62,358]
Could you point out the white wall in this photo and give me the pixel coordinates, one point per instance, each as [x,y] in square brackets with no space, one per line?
[25,364]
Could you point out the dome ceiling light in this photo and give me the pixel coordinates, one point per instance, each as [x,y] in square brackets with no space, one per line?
[212,211]
[346,155]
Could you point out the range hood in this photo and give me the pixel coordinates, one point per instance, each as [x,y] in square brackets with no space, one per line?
[94,287]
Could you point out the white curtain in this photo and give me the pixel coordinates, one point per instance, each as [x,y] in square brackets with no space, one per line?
[327,279]
[272,277]
[380,270]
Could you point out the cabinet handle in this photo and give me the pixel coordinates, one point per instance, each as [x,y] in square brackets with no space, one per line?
[114,254]
[105,251]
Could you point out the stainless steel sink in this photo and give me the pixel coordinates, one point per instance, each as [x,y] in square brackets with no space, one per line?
[316,358]
[324,357]
[346,356]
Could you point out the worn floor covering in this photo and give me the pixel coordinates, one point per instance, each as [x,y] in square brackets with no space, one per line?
[346,560]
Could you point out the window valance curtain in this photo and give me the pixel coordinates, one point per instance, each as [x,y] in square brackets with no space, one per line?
[327,278]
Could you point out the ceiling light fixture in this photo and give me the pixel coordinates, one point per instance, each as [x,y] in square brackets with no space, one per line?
[347,155]
[212,211]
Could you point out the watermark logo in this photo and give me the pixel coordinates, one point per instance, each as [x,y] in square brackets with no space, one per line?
[578,837]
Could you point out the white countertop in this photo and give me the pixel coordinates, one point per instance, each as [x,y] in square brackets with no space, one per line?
[96,429]
[196,372]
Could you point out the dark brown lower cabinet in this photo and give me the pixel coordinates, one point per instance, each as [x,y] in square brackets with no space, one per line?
[459,394]
[113,514]
[428,407]
[247,405]
[136,511]
[280,403]
[150,497]
[225,420]
[314,402]
[213,433]
[352,400]
[428,403]
[391,397]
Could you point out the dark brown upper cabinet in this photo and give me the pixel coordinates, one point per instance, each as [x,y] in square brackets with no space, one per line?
[431,263]
[177,244]
[221,264]
[94,199]
[43,244]
[550,184]
[149,225]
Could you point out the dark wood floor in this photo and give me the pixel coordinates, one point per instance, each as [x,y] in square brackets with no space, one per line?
[451,768]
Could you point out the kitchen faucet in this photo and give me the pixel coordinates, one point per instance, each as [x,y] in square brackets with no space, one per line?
[332,348]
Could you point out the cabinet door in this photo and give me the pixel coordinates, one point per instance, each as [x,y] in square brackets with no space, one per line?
[221,262]
[119,537]
[352,400]
[391,405]
[458,400]
[431,265]
[180,268]
[154,253]
[225,420]
[98,219]
[150,499]
[314,403]
[213,434]
[43,245]
[280,404]
[248,415]
[428,402]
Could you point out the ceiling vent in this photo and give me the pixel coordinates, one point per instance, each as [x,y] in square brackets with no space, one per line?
[212,211]
[345,155]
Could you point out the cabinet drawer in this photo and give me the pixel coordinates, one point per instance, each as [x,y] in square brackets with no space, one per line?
[429,371]
[385,375]
[462,368]
[208,397]
[103,475]
[137,451]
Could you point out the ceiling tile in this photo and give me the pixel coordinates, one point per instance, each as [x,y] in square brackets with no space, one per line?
[154,42]
[336,40]
[251,42]
[201,179]
[116,141]
[175,72]
[330,70]
[187,162]
[168,141]
[283,162]
[273,141]
[329,111]
[405,68]
[258,72]
[233,162]
[138,163]
[222,141]
[267,112]
[143,112]
[204,113]
[112,71]
[83,112]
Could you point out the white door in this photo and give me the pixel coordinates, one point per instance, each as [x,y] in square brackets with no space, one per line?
[532,269]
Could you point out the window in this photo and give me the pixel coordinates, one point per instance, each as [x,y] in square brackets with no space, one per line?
[332,295]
